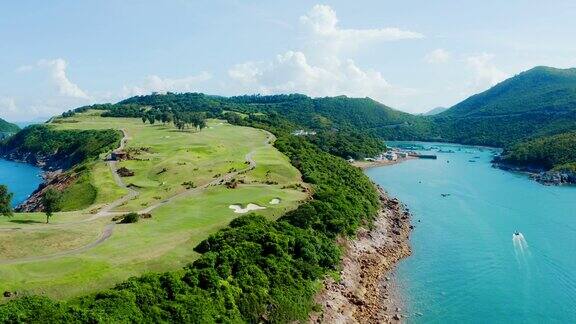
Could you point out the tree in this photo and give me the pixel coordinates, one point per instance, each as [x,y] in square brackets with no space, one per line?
[5,201]
[151,118]
[51,202]
[202,124]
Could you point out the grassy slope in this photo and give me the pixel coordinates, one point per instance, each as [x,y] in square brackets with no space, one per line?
[164,242]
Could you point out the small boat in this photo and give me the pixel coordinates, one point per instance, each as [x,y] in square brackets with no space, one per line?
[516,233]
[445,195]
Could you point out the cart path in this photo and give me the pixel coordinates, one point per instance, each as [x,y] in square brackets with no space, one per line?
[106,211]
[106,234]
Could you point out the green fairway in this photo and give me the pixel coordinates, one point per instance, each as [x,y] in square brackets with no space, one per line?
[80,251]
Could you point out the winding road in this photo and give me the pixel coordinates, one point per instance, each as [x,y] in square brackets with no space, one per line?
[106,211]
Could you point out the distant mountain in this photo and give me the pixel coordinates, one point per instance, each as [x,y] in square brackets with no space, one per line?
[538,102]
[538,90]
[435,111]
[6,127]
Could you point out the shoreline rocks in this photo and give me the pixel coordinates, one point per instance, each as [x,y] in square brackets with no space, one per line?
[549,178]
[53,176]
[56,180]
[365,293]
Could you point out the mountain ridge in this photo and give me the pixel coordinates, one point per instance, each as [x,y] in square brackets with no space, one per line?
[539,89]
[7,127]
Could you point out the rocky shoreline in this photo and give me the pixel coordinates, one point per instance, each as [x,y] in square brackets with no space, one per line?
[364,292]
[549,178]
[52,179]
[52,176]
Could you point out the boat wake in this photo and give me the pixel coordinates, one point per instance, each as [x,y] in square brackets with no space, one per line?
[521,250]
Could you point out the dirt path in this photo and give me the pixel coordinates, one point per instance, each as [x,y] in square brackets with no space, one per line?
[106,211]
[106,233]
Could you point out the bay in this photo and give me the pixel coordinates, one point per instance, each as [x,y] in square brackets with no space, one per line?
[467,265]
[21,178]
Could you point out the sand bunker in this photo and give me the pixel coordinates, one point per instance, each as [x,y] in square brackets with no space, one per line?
[250,207]
[274,201]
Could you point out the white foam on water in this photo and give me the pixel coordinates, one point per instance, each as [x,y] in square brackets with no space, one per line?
[521,250]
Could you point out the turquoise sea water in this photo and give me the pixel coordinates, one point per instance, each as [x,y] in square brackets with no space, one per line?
[466,265]
[21,178]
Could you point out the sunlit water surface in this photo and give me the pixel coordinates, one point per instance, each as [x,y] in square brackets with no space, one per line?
[21,178]
[467,265]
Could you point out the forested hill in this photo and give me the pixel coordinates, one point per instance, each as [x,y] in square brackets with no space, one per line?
[539,90]
[6,127]
[328,113]
[538,102]
[556,152]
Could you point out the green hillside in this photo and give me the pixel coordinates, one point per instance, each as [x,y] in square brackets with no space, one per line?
[502,116]
[6,127]
[550,152]
[340,116]
[531,114]
[539,90]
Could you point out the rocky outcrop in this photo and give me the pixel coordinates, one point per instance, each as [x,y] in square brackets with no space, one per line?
[555,177]
[45,162]
[539,174]
[56,180]
[365,293]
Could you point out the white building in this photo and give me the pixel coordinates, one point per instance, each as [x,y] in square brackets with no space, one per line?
[391,156]
[302,132]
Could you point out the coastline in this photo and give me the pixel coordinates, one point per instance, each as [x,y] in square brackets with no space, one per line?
[540,175]
[373,164]
[49,176]
[365,292]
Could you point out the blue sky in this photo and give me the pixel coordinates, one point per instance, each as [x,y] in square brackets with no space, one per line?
[411,55]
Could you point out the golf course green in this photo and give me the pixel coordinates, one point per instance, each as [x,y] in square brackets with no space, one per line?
[187,180]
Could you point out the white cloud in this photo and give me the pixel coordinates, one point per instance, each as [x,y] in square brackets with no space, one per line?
[154,83]
[486,74]
[58,75]
[321,23]
[438,55]
[321,67]
[292,72]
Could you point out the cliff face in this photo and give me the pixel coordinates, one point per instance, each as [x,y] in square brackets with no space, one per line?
[44,161]
[52,149]
[56,180]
